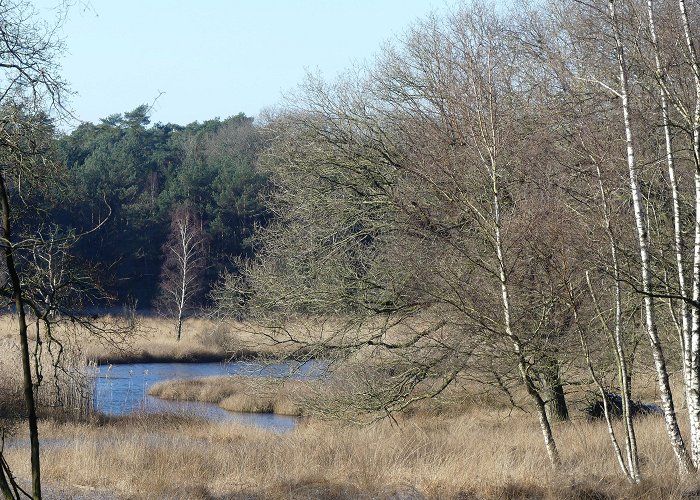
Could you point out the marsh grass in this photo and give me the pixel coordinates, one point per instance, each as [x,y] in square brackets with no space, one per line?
[479,449]
[479,455]
[202,340]
[241,394]
[66,389]
[153,339]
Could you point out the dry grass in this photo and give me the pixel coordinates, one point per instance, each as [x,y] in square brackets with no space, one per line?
[202,340]
[66,387]
[153,340]
[483,453]
[11,398]
[479,455]
[240,394]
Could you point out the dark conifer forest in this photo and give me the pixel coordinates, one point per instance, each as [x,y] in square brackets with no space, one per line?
[130,175]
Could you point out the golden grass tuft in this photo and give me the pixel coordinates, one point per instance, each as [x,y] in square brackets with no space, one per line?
[240,394]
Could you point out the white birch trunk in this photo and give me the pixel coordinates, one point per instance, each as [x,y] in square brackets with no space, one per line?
[631,476]
[693,377]
[678,240]
[545,427]
[623,373]
[684,463]
[487,115]
[184,271]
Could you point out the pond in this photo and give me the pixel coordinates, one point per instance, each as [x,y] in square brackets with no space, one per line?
[123,389]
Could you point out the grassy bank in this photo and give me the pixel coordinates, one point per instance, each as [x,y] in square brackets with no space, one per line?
[481,449]
[479,455]
[240,394]
[153,339]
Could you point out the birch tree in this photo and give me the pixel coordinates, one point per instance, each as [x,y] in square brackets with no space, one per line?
[690,334]
[402,205]
[640,216]
[184,265]
[649,78]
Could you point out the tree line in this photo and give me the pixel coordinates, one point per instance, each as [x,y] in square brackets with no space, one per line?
[131,179]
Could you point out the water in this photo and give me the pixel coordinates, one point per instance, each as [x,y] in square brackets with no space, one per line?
[123,389]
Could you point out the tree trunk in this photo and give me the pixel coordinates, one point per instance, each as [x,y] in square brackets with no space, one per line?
[181,299]
[8,485]
[5,487]
[623,373]
[545,426]
[523,367]
[685,464]
[631,469]
[685,324]
[693,376]
[27,386]
[557,410]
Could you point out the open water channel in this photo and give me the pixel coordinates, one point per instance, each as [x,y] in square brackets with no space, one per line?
[122,389]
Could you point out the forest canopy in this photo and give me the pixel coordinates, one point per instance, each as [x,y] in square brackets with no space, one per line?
[130,176]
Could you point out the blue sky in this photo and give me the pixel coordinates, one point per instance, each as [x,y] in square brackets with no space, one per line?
[214,57]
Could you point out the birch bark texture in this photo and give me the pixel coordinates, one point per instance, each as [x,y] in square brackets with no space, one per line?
[642,224]
[681,150]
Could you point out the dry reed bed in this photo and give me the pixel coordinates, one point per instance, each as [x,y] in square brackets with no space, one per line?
[67,384]
[240,393]
[482,454]
[487,455]
[153,339]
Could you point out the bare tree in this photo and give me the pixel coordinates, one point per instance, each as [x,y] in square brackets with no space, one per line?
[402,204]
[434,206]
[185,262]
[650,79]
[30,91]
[619,61]
[641,220]
[20,136]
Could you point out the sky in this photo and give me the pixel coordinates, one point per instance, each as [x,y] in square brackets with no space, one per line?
[198,60]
